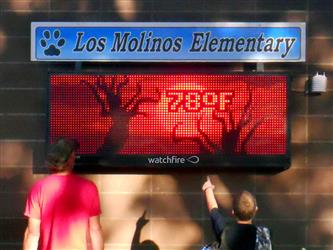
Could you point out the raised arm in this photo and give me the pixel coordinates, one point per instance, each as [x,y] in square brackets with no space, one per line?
[208,190]
[31,235]
[141,222]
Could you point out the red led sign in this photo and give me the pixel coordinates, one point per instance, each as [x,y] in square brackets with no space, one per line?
[153,120]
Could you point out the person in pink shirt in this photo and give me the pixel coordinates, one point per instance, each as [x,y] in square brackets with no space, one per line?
[63,209]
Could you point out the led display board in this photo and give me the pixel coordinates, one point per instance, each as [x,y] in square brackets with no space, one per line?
[172,121]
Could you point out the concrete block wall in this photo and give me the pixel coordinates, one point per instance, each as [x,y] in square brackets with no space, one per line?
[297,204]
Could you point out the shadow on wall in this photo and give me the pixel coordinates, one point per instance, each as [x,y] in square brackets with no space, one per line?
[126,10]
[146,244]
[15,180]
[282,199]
[12,221]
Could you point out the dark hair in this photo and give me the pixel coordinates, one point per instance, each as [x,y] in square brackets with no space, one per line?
[148,245]
[244,206]
[59,153]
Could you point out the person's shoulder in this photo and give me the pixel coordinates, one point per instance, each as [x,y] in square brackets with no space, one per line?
[39,184]
[84,181]
[245,226]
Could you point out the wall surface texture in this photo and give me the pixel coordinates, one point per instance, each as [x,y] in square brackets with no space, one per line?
[297,204]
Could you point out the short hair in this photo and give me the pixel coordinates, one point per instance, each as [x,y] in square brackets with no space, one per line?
[244,205]
[59,153]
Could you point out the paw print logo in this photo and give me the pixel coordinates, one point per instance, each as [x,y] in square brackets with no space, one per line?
[52,42]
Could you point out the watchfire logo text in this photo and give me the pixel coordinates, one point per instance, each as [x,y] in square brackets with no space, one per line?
[174,160]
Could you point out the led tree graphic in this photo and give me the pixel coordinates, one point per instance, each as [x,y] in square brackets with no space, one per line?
[113,105]
[231,141]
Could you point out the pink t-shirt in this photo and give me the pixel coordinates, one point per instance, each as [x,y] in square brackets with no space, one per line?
[64,204]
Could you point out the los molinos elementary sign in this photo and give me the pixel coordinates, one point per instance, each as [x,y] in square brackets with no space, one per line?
[155,42]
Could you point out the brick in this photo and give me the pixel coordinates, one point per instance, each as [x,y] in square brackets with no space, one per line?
[16,180]
[39,153]
[24,6]
[126,16]
[16,154]
[11,75]
[126,183]
[320,128]
[16,50]
[18,24]
[174,16]
[137,6]
[120,232]
[298,103]
[320,232]
[319,181]
[320,24]
[22,127]
[177,183]
[70,16]
[23,101]
[234,16]
[12,230]
[298,84]
[299,155]
[72,5]
[299,129]
[1,151]
[324,5]
[292,180]
[15,208]
[295,16]
[284,247]
[233,182]
[179,6]
[319,206]
[180,237]
[274,206]
[273,16]
[294,235]
[283,5]
[229,5]
[124,206]
[320,154]
[183,206]
[322,105]
[224,202]
[322,55]
[11,246]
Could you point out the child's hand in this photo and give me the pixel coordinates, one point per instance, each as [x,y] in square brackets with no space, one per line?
[208,184]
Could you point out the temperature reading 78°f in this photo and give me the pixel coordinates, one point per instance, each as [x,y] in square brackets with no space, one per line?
[196,100]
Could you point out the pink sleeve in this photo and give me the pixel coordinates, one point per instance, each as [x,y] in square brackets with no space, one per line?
[32,207]
[95,208]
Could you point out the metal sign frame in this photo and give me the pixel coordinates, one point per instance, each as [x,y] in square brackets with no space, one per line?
[276,39]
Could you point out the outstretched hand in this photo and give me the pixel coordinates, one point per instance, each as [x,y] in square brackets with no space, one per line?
[208,188]
[207,184]
[142,221]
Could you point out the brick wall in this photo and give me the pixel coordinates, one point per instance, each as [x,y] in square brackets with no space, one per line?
[297,204]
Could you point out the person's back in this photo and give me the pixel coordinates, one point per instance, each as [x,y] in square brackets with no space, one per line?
[64,204]
[63,209]
[238,235]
